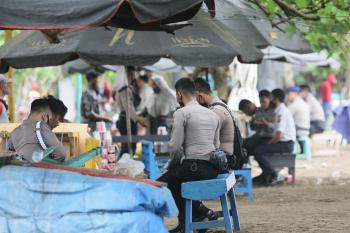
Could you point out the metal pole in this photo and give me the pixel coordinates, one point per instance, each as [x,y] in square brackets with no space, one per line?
[207,74]
[128,123]
[79,91]
[8,36]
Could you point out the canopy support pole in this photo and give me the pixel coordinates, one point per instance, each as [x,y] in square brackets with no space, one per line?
[79,81]
[347,57]
[128,123]
[8,36]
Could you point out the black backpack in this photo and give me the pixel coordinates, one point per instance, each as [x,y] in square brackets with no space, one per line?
[239,157]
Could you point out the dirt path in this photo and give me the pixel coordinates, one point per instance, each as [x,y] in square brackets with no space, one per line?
[318,202]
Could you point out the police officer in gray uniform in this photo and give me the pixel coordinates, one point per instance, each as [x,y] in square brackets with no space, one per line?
[227,130]
[195,135]
[35,133]
[317,116]
[300,111]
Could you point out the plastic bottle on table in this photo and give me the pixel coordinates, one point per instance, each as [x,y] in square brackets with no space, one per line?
[37,156]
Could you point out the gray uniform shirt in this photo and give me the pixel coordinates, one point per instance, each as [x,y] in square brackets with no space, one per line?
[316,111]
[227,129]
[267,115]
[195,133]
[24,140]
[301,115]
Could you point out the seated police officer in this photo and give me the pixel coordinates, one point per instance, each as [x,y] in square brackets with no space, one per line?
[35,133]
[281,142]
[262,122]
[195,135]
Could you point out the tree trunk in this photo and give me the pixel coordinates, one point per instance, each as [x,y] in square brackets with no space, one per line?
[347,57]
[220,75]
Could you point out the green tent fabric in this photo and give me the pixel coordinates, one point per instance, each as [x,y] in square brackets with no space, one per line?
[206,43]
[252,25]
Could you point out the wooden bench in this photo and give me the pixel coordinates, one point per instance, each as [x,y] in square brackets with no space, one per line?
[282,160]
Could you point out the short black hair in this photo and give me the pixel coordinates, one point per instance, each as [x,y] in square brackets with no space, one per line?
[244,104]
[130,69]
[202,86]
[186,86]
[92,75]
[57,106]
[279,94]
[144,78]
[264,93]
[306,87]
[40,105]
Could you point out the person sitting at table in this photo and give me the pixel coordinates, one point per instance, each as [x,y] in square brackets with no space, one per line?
[59,111]
[263,119]
[35,133]
[282,141]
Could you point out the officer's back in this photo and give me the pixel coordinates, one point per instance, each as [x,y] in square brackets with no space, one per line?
[194,136]
[200,131]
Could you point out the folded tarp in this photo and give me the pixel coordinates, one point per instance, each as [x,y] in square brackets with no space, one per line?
[41,200]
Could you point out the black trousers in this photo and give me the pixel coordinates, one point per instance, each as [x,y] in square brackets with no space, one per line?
[156,122]
[189,170]
[317,127]
[251,143]
[121,125]
[264,150]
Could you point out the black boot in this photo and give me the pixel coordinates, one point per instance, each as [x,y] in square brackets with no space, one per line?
[203,212]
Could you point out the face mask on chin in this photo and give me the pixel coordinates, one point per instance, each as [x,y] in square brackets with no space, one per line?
[156,90]
[204,104]
[273,104]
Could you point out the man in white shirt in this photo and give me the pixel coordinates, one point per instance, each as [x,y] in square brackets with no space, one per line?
[282,141]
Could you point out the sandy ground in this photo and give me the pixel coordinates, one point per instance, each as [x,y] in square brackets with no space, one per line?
[318,202]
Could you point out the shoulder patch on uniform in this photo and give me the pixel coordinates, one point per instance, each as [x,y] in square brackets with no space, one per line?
[279,118]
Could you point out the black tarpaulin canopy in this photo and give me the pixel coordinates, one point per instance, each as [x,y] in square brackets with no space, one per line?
[74,14]
[206,43]
[253,26]
[316,59]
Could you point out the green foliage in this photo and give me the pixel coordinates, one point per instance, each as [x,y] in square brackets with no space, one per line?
[326,23]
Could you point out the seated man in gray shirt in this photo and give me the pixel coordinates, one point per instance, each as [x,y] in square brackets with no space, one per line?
[227,129]
[25,140]
[317,116]
[263,119]
[195,134]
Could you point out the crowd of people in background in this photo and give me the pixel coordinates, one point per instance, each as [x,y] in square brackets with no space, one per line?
[279,122]
[202,126]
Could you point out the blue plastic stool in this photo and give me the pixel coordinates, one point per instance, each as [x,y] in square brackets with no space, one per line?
[306,148]
[247,186]
[148,158]
[221,187]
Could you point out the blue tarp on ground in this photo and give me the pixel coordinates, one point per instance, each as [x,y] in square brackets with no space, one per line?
[41,200]
[342,121]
